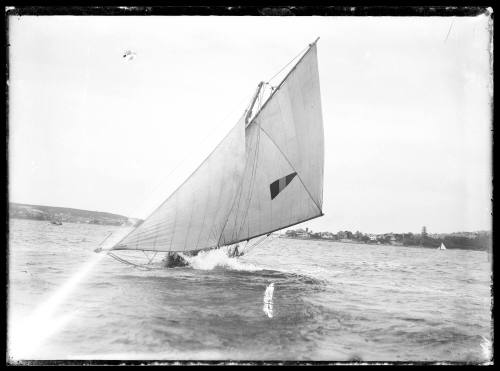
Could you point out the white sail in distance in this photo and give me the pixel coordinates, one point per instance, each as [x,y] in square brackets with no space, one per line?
[264,176]
[442,247]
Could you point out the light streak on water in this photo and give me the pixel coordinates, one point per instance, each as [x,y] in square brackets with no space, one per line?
[26,335]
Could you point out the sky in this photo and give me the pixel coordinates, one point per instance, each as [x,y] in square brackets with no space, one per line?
[406,111]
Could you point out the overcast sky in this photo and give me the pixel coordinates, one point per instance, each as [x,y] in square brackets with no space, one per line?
[406,111]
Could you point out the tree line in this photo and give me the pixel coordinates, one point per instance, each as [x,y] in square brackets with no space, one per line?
[469,241]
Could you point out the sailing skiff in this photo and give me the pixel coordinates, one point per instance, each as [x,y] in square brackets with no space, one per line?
[265,175]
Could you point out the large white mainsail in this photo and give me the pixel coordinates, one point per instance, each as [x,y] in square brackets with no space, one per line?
[283,182]
[265,175]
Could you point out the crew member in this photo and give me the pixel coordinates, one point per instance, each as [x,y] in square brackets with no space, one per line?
[173,259]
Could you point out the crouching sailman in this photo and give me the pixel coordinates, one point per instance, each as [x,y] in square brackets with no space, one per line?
[233,252]
[174,259]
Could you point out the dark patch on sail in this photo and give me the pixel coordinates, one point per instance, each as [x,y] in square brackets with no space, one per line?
[278,185]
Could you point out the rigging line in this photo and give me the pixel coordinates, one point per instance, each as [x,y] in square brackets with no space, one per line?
[147,257]
[286,65]
[298,175]
[154,256]
[123,261]
[247,248]
[109,234]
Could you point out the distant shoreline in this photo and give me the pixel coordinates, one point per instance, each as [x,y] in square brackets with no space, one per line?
[375,244]
[68,222]
[68,215]
[58,215]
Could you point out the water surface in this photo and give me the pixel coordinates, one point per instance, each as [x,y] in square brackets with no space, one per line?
[332,301]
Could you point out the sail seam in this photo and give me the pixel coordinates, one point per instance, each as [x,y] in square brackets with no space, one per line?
[289,163]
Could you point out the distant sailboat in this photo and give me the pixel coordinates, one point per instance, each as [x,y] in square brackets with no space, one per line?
[442,247]
[265,175]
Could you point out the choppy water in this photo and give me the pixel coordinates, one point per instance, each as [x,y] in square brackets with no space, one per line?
[331,301]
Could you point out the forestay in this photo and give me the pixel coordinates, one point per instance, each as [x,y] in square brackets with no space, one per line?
[259,179]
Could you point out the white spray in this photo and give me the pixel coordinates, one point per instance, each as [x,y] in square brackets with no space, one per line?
[208,260]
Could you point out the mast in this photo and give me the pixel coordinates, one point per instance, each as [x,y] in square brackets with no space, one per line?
[248,112]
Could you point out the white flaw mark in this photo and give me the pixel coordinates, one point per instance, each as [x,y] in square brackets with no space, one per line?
[268,300]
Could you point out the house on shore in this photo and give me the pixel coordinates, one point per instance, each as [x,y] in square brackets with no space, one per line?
[301,233]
